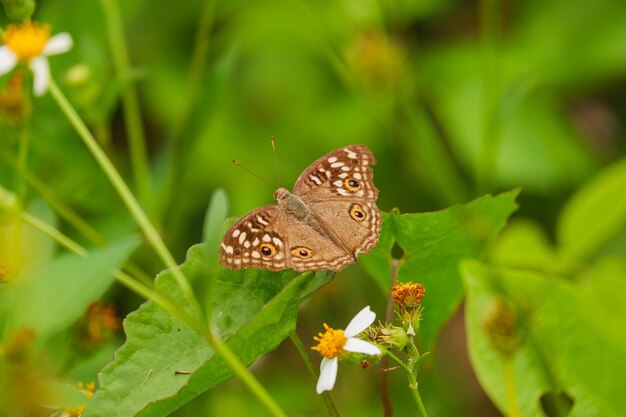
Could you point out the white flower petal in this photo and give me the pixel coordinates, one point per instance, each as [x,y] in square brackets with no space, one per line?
[361,346]
[58,44]
[8,59]
[328,375]
[41,69]
[360,322]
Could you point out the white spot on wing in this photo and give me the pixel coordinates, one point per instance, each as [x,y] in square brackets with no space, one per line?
[256,241]
[261,220]
[357,176]
[350,153]
[338,183]
[345,168]
[267,238]
[337,165]
[256,254]
[242,237]
[315,179]
[277,241]
[246,244]
[236,232]
[342,191]
[332,159]
[343,175]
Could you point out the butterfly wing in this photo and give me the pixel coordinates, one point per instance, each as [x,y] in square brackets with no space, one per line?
[270,238]
[339,190]
[255,241]
[329,177]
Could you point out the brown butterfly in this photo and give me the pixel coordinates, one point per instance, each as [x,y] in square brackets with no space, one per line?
[329,219]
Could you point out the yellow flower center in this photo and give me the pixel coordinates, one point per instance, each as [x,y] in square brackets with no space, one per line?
[26,40]
[330,343]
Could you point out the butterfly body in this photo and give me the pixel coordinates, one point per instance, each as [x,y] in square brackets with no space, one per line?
[329,219]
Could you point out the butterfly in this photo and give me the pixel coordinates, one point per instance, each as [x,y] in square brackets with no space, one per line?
[330,217]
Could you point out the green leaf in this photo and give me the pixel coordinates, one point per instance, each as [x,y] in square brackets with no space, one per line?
[213,222]
[595,215]
[569,342]
[433,244]
[54,295]
[254,311]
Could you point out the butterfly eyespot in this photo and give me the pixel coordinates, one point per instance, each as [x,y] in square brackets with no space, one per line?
[302,252]
[357,213]
[237,251]
[354,161]
[267,249]
[352,184]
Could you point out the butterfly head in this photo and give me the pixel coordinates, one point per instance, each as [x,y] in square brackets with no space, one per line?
[281,193]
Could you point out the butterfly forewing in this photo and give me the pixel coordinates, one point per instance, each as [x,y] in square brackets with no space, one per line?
[330,176]
[247,242]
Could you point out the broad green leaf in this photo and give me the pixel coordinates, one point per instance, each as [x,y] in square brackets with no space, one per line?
[254,310]
[54,295]
[433,244]
[595,215]
[569,342]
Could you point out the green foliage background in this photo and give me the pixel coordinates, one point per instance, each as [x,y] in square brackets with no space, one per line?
[456,99]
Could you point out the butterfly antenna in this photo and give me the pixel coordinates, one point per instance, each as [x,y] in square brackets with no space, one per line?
[276,159]
[253,174]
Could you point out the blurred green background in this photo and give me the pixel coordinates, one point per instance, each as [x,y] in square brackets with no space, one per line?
[455,98]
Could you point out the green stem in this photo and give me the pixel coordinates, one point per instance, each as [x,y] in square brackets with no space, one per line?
[400,363]
[54,234]
[196,70]
[421,410]
[490,21]
[412,377]
[130,102]
[127,197]
[244,374]
[304,354]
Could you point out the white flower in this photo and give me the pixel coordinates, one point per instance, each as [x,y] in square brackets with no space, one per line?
[31,43]
[333,343]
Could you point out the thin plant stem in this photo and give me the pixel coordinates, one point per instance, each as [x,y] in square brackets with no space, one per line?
[418,400]
[54,233]
[194,78]
[130,102]
[244,374]
[412,383]
[304,354]
[490,22]
[126,195]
